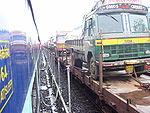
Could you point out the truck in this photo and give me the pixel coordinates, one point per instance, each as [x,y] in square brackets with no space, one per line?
[118,31]
[60,41]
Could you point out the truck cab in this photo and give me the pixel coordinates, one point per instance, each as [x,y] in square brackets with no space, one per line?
[120,32]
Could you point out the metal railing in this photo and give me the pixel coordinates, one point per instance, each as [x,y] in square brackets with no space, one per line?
[53,65]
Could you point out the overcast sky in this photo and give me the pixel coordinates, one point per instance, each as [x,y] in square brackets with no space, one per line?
[53,15]
[15,16]
[56,15]
[50,15]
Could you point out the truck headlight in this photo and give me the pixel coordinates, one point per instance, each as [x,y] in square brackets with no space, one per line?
[147,52]
[106,54]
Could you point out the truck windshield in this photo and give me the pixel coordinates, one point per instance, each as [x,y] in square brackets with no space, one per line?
[61,40]
[138,23]
[109,23]
[18,37]
[22,47]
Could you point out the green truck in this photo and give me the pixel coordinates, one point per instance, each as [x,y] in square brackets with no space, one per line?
[120,32]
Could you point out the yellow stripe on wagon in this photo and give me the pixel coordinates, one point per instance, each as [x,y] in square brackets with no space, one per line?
[121,41]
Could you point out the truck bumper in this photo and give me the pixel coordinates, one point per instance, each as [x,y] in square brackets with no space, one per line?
[140,65]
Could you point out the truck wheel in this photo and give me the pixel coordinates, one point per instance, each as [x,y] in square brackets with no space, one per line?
[93,69]
[78,63]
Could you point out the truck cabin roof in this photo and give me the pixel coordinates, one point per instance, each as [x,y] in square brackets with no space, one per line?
[119,7]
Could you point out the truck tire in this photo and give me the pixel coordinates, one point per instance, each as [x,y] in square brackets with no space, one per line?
[93,68]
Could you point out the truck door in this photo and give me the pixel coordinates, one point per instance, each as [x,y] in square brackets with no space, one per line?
[89,37]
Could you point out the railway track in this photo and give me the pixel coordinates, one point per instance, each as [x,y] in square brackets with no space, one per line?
[101,107]
[120,91]
[81,97]
[82,101]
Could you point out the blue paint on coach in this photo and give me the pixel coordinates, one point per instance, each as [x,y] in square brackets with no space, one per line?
[6,82]
[16,65]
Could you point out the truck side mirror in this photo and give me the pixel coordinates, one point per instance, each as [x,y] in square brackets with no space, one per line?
[90,23]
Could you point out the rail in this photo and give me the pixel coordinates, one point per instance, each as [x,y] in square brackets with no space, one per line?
[118,91]
[56,78]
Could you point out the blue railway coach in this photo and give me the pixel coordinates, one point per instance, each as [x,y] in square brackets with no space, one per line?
[18,55]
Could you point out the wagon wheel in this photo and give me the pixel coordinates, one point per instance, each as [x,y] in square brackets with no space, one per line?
[93,69]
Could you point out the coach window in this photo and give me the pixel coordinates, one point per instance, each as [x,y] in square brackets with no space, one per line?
[93,28]
[80,42]
[74,42]
[70,42]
